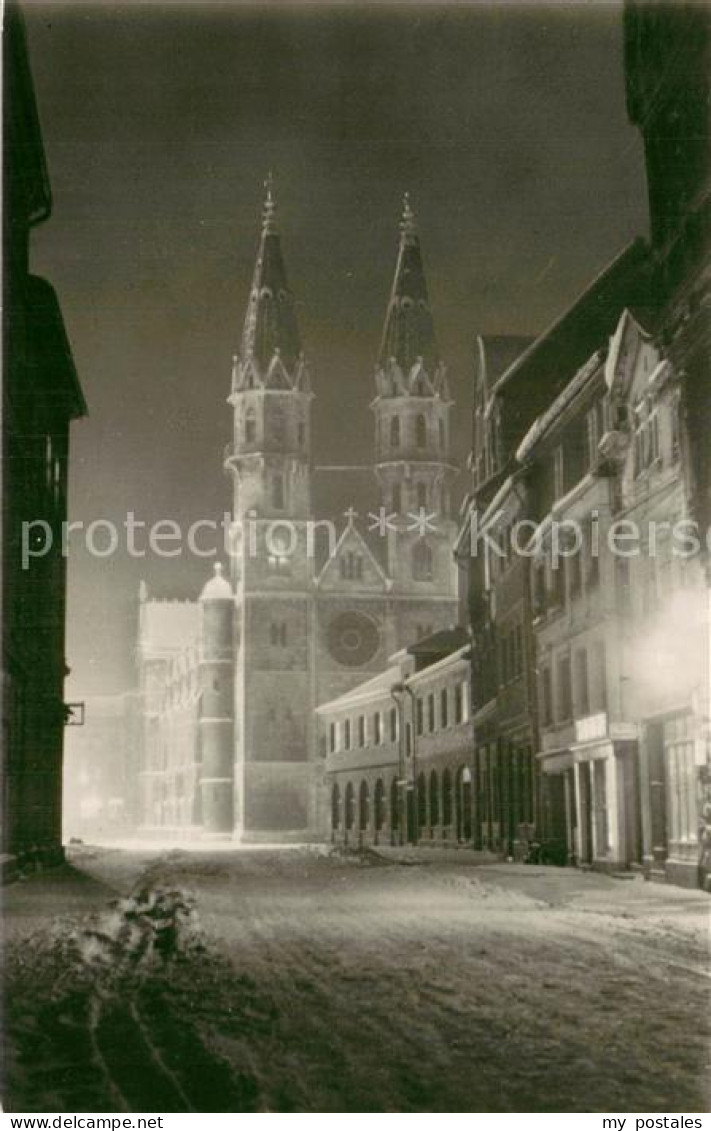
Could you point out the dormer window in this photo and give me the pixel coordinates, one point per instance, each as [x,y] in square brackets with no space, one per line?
[250,426]
[421,432]
[395,432]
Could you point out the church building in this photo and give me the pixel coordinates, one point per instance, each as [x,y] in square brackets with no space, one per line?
[229,684]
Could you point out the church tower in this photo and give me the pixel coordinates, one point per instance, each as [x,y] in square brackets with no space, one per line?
[412,438]
[272,569]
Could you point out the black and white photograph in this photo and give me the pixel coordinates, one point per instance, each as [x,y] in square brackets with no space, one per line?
[356,561]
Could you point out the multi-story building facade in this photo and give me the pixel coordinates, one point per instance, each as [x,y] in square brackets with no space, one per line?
[41,396]
[511,808]
[586,742]
[399,755]
[305,628]
[614,578]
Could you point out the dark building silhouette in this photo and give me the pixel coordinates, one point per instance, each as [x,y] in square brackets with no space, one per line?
[668,77]
[41,395]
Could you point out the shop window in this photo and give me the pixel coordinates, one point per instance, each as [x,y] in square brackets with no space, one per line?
[681,778]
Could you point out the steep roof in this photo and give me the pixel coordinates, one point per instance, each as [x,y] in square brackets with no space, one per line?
[588,321]
[408,333]
[496,353]
[270,325]
[438,645]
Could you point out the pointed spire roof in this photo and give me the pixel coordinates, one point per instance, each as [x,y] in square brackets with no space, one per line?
[270,325]
[409,334]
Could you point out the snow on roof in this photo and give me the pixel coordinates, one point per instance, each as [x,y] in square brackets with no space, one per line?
[371,689]
[546,419]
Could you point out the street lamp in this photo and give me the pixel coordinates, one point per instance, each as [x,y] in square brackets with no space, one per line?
[397,691]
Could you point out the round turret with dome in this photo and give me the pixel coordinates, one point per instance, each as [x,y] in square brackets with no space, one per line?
[218,587]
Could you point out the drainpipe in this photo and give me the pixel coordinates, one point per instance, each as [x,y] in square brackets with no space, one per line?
[397,691]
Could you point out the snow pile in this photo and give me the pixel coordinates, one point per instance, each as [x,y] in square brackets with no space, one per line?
[155,924]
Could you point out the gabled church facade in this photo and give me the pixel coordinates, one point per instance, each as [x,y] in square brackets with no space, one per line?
[289,627]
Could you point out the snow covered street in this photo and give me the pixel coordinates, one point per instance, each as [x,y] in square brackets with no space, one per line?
[143,979]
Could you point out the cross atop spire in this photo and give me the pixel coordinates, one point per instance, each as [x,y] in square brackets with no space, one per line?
[269,209]
[270,325]
[408,224]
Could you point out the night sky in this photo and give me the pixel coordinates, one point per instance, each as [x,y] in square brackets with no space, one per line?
[506,123]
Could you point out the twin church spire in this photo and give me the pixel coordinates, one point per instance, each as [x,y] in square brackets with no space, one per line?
[270,349]
[408,358]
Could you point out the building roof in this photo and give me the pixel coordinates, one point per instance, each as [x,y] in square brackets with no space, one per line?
[438,645]
[374,688]
[580,330]
[496,353]
[547,419]
[27,188]
[270,325]
[50,354]
[408,334]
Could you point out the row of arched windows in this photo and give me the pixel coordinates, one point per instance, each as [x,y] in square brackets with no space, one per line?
[435,803]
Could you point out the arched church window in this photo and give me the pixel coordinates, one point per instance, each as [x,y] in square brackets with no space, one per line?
[395,432]
[421,431]
[397,497]
[441,436]
[301,434]
[277,635]
[278,491]
[250,426]
[422,562]
[352,567]
[278,430]
[422,496]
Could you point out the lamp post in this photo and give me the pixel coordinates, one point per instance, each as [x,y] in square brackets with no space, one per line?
[397,691]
